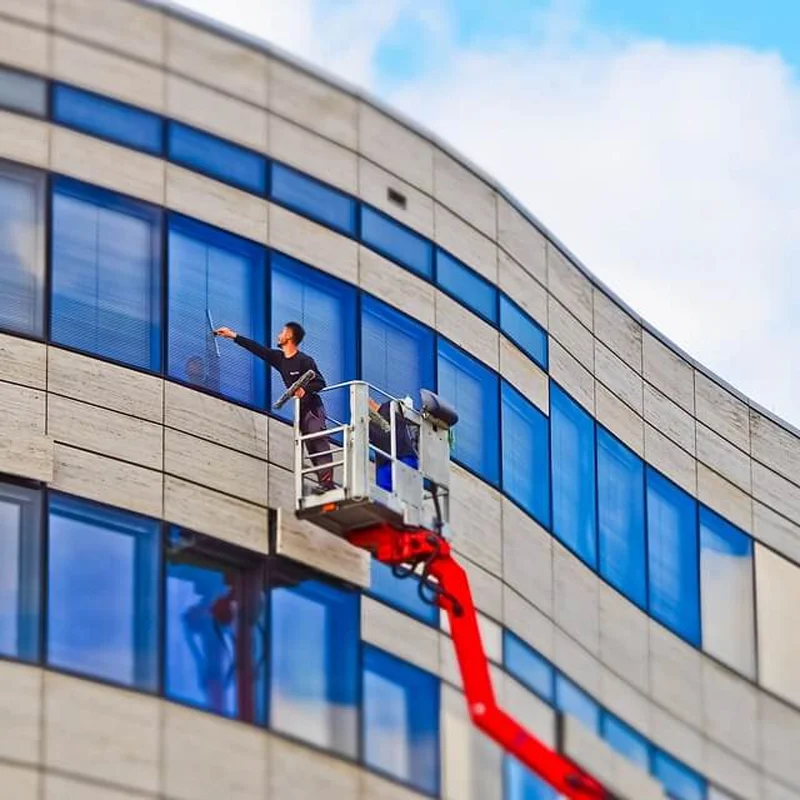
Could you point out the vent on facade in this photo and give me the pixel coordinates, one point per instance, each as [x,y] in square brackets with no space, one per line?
[396,198]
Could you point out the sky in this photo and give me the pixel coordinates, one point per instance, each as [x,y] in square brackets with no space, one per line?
[658,141]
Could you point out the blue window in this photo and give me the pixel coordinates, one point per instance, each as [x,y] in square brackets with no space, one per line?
[22,92]
[573,463]
[620,517]
[313,199]
[397,242]
[326,308]
[215,279]
[466,285]
[528,335]
[219,159]
[575,702]
[22,249]
[522,784]
[526,454]
[672,557]
[215,623]
[103,592]
[397,353]
[106,294]
[726,582]
[527,666]
[400,720]
[20,571]
[472,390]
[626,741]
[402,594]
[314,653]
[680,782]
[108,119]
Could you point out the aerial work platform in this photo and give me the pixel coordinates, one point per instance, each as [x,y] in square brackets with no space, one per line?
[397,508]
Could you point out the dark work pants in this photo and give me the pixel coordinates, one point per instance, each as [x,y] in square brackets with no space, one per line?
[319,448]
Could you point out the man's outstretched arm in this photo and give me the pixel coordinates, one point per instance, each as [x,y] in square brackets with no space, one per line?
[272,357]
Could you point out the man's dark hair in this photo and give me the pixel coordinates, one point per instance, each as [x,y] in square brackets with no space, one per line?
[298,332]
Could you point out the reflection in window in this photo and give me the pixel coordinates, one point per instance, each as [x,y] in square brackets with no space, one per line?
[215,628]
[106,295]
[313,199]
[575,702]
[314,664]
[21,250]
[680,782]
[620,517]
[215,278]
[20,571]
[326,308]
[527,666]
[672,557]
[22,92]
[103,567]
[402,594]
[522,784]
[526,454]
[626,741]
[401,720]
[107,118]
[215,157]
[466,286]
[726,580]
[528,335]
[573,462]
[397,242]
[471,388]
[397,353]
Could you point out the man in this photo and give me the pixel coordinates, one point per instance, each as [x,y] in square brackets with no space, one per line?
[404,444]
[291,364]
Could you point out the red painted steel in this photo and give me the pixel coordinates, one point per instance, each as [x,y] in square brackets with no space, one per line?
[396,547]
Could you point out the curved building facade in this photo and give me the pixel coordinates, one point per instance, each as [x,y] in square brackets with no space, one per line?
[630,523]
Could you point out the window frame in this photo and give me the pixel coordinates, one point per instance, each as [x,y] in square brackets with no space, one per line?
[428,275]
[505,299]
[29,76]
[473,274]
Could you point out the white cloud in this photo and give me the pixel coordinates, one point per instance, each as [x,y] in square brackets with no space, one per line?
[671,171]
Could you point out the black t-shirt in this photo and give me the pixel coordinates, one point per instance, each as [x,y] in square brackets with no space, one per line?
[290,369]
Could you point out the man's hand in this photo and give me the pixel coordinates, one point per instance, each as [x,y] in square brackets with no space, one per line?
[300,393]
[225,333]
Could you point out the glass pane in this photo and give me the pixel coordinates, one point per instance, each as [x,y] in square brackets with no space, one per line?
[526,454]
[108,118]
[103,567]
[402,594]
[219,159]
[620,517]
[523,331]
[314,656]
[215,631]
[25,93]
[575,702]
[522,784]
[466,286]
[218,278]
[106,294]
[313,199]
[726,582]
[472,390]
[573,463]
[326,308]
[397,242]
[626,741]
[527,666]
[673,559]
[680,782]
[21,250]
[401,720]
[20,571]
[397,353]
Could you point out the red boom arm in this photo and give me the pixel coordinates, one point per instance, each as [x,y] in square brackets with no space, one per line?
[397,547]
